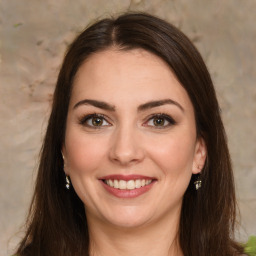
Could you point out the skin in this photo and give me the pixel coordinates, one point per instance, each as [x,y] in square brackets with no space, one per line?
[127,142]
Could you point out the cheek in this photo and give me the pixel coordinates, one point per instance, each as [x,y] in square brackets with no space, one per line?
[174,155]
[84,153]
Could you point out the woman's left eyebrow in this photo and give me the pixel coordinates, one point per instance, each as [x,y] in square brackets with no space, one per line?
[157,103]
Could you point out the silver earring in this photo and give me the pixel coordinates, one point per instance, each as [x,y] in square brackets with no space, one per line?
[198,183]
[67,183]
[67,178]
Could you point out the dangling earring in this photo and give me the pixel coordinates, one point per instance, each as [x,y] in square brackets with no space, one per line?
[67,183]
[67,178]
[198,182]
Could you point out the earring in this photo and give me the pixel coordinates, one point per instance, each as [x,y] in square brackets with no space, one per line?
[198,182]
[67,183]
[67,178]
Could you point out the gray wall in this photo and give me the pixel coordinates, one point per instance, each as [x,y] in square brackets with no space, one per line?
[34,35]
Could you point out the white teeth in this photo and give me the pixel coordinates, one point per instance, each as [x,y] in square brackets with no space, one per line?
[116,184]
[130,184]
[137,183]
[122,184]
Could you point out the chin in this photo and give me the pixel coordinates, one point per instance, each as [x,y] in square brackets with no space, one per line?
[128,223]
[128,217]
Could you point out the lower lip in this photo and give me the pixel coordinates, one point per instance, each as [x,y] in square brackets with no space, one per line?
[127,193]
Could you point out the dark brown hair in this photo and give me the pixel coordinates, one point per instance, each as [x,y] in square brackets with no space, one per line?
[57,220]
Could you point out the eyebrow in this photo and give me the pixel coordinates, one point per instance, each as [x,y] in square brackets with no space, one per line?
[95,103]
[143,107]
[157,103]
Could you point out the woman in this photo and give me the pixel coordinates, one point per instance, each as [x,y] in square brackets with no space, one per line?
[135,159]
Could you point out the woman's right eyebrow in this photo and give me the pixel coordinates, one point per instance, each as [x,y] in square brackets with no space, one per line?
[95,103]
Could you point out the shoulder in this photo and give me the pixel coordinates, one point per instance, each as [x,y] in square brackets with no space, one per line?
[250,246]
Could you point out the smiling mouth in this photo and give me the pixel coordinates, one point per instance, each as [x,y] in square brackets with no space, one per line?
[129,184]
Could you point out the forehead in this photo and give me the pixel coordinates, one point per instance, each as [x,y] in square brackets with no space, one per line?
[131,75]
[135,61]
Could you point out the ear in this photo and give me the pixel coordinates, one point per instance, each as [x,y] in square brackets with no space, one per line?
[199,156]
[63,153]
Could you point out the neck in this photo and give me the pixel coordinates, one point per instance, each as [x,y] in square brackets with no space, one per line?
[154,239]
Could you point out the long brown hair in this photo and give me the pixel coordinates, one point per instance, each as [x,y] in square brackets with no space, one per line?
[57,221]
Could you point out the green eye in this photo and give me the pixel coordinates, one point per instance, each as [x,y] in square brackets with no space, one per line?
[159,121]
[94,121]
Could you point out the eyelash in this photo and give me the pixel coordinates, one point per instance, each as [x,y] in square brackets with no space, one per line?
[83,121]
[163,116]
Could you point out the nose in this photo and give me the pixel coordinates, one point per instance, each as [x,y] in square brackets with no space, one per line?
[126,147]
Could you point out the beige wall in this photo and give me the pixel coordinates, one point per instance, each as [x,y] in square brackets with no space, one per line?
[34,35]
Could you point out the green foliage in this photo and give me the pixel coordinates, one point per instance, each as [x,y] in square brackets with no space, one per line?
[250,246]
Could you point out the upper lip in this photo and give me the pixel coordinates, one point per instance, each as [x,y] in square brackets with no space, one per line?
[126,177]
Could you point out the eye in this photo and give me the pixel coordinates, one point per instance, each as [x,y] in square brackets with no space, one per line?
[160,121]
[94,121]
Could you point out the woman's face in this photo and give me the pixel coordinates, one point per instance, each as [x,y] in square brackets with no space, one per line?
[130,144]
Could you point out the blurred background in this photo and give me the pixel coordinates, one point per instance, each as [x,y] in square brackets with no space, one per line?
[33,38]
